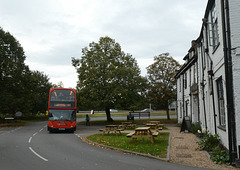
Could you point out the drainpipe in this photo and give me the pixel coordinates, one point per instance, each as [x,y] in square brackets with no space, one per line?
[229,81]
[211,74]
[198,90]
[203,94]
[190,95]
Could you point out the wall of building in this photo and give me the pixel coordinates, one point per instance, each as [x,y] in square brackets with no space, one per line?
[234,10]
[210,58]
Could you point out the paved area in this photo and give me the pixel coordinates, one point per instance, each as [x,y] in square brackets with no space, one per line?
[183,147]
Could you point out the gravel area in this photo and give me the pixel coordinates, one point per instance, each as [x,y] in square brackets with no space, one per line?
[184,150]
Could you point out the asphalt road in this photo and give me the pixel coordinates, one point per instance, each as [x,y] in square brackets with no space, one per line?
[32,147]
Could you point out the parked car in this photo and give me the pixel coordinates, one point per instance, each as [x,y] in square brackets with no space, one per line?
[147,110]
[113,110]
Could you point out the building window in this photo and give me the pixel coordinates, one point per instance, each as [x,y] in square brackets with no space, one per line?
[214,39]
[186,109]
[181,107]
[194,73]
[221,108]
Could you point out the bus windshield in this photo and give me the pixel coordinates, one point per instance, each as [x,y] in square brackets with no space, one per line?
[62,98]
[62,115]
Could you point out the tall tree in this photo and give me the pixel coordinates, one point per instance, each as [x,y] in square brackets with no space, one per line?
[13,72]
[39,86]
[60,84]
[108,78]
[162,84]
[21,89]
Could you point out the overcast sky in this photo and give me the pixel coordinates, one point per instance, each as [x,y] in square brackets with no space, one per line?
[51,32]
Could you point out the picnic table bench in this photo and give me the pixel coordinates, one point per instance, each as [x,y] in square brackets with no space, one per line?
[111,129]
[127,125]
[155,124]
[143,132]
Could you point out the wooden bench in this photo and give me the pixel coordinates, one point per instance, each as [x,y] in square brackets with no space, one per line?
[155,134]
[119,130]
[126,125]
[9,119]
[160,126]
[111,129]
[130,126]
[130,134]
[142,132]
[101,130]
[140,114]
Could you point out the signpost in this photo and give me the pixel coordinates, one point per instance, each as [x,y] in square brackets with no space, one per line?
[186,124]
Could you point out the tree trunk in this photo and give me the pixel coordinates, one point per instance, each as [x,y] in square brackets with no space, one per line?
[167,110]
[168,116]
[108,114]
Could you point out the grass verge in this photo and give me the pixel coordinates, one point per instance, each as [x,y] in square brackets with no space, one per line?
[159,148]
[21,121]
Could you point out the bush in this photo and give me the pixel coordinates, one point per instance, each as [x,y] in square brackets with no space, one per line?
[195,127]
[220,156]
[211,143]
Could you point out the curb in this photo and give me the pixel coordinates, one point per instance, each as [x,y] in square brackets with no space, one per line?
[127,151]
[207,154]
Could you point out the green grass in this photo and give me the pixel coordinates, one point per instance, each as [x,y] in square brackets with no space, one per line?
[159,148]
[15,123]
[21,121]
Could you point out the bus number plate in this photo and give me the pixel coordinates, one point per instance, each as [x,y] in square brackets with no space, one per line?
[61,128]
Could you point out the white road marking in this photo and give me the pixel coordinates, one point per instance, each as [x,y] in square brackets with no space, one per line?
[35,133]
[38,154]
[29,141]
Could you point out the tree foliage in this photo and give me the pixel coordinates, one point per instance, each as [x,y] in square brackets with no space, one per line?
[39,91]
[21,89]
[108,78]
[162,84]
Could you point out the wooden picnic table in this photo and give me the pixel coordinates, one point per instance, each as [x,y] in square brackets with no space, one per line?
[143,132]
[127,125]
[152,125]
[153,122]
[158,124]
[111,129]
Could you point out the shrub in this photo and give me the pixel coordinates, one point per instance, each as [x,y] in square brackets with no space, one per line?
[220,156]
[209,141]
[195,127]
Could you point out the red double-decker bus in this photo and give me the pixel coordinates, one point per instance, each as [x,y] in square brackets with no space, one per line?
[62,109]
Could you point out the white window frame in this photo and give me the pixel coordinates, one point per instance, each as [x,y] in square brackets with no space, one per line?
[214,33]
[221,103]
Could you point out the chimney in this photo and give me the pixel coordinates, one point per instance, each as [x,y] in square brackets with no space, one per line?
[193,43]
